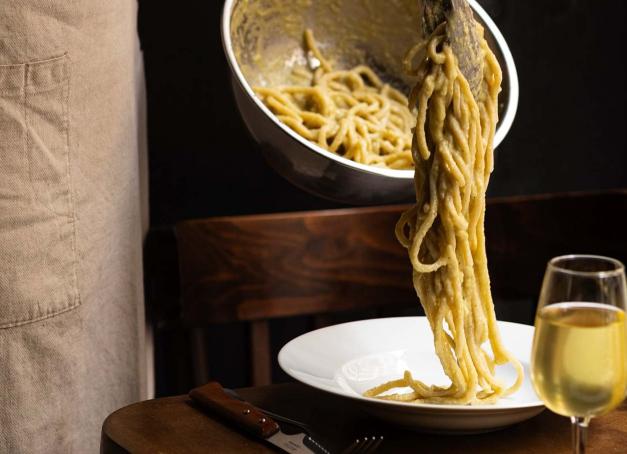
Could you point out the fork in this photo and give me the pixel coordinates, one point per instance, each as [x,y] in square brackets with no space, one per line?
[366,445]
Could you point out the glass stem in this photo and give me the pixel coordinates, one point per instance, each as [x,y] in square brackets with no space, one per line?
[580,432]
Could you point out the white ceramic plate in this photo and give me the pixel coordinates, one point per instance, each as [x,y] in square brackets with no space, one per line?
[350,358]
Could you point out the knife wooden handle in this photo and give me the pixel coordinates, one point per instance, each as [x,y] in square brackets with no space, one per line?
[212,396]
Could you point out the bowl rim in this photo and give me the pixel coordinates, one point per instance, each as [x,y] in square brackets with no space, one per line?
[284,363]
[502,130]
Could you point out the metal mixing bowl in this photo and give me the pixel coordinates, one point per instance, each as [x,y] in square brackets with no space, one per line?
[263,43]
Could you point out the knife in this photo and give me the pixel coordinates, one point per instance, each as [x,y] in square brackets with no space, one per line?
[247,417]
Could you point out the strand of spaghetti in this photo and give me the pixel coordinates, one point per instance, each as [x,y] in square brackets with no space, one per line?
[348,112]
[311,45]
[443,232]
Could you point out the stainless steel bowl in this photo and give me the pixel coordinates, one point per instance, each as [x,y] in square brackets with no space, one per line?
[263,43]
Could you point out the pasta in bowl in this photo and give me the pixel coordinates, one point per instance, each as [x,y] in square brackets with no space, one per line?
[265,48]
[350,358]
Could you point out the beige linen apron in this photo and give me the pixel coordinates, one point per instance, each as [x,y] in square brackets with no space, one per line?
[71,315]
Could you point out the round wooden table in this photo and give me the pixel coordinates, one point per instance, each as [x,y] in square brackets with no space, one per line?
[174,425]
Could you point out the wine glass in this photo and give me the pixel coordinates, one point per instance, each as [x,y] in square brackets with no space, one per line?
[579,358]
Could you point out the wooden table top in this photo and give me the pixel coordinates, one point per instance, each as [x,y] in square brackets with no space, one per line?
[172,425]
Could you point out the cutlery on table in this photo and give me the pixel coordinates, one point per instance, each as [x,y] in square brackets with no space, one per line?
[363,445]
[249,418]
[262,424]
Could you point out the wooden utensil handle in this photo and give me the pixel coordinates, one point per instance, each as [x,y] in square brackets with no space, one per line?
[241,413]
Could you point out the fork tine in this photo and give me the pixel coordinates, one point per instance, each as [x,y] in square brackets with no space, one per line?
[376,442]
[358,446]
[352,448]
[365,445]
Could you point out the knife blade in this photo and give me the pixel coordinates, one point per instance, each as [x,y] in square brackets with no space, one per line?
[247,417]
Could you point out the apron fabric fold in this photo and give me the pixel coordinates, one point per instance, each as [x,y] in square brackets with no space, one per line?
[72,183]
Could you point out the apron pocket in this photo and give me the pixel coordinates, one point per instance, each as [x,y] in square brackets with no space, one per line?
[37,228]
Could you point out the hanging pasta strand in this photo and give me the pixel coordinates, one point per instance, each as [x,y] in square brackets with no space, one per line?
[444,231]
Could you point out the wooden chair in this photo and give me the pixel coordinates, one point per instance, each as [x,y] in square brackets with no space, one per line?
[256,268]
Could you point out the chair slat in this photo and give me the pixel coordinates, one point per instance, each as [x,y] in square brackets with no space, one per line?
[267,266]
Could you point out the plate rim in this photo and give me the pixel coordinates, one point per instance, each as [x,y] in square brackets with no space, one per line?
[447,408]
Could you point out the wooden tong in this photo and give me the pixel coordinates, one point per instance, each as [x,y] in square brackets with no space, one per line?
[462,33]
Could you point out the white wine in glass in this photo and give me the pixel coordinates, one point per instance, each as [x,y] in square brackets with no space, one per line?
[579,359]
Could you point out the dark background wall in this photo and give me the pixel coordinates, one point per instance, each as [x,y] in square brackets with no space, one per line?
[569,134]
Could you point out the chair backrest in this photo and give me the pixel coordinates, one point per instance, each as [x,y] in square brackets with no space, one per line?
[255,268]
[277,265]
